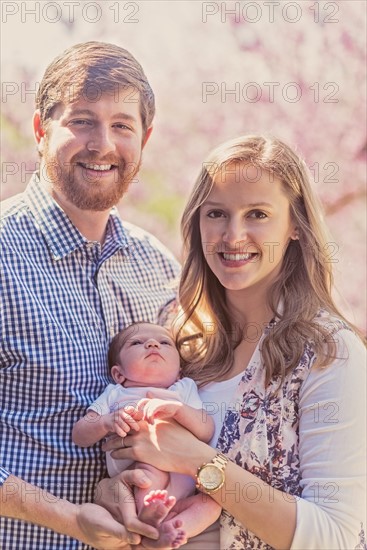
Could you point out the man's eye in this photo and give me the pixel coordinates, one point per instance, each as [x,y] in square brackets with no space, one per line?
[121,126]
[81,122]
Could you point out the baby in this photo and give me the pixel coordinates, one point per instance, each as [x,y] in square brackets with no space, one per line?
[143,358]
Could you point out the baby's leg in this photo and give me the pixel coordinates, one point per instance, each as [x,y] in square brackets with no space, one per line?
[170,536]
[189,517]
[181,486]
[165,490]
[153,504]
[196,513]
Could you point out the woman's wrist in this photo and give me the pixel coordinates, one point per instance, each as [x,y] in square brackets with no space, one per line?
[202,454]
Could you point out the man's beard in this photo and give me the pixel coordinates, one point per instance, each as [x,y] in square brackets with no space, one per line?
[94,195]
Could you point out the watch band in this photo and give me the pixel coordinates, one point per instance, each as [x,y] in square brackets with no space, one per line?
[219,462]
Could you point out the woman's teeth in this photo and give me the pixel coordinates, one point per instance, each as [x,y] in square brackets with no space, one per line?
[237,257]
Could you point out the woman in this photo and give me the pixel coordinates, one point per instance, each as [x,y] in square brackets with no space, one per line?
[281,369]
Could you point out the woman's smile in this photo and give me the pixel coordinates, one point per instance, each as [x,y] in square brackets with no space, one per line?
[243,237]
[235,259]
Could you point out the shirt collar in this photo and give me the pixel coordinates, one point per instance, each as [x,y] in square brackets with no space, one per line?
[61,235]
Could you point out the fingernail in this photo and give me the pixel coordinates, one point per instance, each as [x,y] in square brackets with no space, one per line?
[133,539]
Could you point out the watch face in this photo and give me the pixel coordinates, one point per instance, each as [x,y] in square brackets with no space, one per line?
[211,477]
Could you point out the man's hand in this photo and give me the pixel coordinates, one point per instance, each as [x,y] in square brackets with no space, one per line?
[116,495]
[86,522]
[100,530]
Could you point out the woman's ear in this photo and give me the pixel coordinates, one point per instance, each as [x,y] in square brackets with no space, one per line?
[117,374]
[295,234]
[38,131]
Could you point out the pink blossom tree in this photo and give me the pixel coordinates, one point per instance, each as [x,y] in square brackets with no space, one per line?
[219,69]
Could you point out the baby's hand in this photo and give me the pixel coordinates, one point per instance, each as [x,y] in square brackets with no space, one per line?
[158,408]
[121,421]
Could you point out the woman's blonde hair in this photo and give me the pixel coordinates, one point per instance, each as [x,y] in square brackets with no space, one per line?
[303,286]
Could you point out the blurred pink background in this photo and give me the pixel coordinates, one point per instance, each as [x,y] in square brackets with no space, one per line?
[218,69]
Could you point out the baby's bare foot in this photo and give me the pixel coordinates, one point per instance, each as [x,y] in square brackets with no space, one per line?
[157,505]
[170,536]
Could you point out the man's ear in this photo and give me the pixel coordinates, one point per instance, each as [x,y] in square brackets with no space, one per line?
[148,133]
[117,375]
[38,131]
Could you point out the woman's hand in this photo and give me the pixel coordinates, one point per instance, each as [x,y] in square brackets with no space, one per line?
[166,443]
[116,495]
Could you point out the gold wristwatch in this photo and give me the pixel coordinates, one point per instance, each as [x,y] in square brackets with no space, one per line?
[210,476]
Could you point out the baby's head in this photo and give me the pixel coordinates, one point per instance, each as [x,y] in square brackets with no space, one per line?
[144,354]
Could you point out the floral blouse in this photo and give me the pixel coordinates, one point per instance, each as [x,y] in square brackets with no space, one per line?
[261,434]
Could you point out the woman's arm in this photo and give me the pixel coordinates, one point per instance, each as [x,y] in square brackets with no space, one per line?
[171,447]
[330,453]
[333,451]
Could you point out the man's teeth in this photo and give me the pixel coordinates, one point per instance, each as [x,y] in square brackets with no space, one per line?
[99,167]
[237,257]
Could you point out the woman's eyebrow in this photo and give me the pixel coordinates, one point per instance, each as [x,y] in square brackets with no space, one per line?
[247,205]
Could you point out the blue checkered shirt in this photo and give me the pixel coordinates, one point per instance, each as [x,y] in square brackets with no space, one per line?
[63,298]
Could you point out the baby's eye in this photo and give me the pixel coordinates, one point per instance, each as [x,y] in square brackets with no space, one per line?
[166,343]
[136,342]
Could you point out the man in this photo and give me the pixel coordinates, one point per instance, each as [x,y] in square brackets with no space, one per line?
[73,276]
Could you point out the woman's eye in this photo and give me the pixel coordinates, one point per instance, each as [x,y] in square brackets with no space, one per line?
[214,214]
[257,214]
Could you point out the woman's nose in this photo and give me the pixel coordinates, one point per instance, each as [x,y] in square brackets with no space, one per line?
[234,233]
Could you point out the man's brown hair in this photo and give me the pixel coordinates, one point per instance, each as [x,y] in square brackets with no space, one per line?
[90,69]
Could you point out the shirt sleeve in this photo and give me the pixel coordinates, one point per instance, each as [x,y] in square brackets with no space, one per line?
[106,402]
[4,474]
[332,436]
[189,393]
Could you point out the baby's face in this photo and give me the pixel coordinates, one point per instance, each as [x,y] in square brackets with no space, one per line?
[149,357]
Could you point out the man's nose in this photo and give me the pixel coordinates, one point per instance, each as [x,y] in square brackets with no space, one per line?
[101,141]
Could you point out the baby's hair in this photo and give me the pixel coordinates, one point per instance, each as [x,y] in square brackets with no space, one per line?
[120,339]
